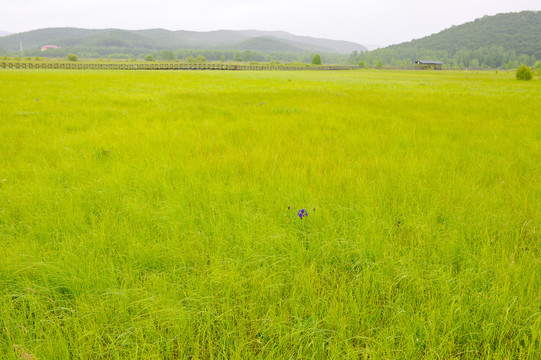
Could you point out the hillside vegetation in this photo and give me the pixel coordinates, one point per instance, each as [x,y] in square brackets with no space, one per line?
[503,40]
[500,41]
[101,43]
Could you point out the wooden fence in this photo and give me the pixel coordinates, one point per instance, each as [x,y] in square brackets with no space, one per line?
[159,66]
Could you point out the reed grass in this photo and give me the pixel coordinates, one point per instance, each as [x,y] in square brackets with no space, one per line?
[144,215]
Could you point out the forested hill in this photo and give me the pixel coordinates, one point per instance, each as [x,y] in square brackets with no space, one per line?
[499,40]
[107,41]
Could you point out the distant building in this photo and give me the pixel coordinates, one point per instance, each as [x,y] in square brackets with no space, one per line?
[429,64]
[47,47]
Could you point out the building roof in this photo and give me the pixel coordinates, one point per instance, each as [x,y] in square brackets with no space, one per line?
[428,62]
[50,47]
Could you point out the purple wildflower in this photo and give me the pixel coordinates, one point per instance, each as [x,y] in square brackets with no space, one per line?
[302,213]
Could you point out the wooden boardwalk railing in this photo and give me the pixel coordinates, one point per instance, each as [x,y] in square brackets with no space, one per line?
[159,66]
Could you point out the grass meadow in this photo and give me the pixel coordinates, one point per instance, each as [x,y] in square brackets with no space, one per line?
[144,215]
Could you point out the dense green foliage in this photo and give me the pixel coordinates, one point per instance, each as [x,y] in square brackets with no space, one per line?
[144,215]
[72,57]
[504,40]
[500,41]
[265,44]
[523,73]
[124,43]
[316,60]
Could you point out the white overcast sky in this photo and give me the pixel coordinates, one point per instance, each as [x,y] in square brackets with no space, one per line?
[381,22]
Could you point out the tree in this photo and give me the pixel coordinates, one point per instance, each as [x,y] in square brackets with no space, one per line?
[167,55]
[524,73]
[73,57]
[361,63]
[201,59]
[379,65]
[149,58]
[316,60]
[352,59]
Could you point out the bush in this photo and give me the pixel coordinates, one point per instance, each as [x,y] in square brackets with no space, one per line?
[361,63]
[73,57]
[524,73]
[538,67]
[316,60]
[149,58]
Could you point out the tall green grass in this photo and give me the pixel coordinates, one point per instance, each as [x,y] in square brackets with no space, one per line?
[145,215]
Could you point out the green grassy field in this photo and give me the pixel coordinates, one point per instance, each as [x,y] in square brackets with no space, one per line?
[144,215]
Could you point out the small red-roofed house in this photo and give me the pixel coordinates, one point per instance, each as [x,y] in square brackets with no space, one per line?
[47,47]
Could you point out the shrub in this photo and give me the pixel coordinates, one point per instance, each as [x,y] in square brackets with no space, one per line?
[524,73]
[149,58]
[361,63]
[316,60]
[538,67]
[201,59]
[73,57]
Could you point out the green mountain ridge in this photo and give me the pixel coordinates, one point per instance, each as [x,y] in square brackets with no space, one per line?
[520,32]
[119,40]
[500,40]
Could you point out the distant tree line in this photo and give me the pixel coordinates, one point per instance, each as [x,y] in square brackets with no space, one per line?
[404,57]
[485,57]
[181,55]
